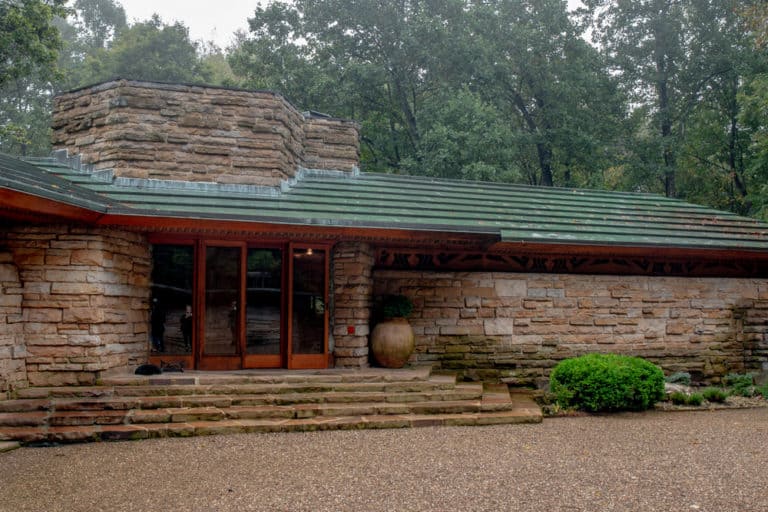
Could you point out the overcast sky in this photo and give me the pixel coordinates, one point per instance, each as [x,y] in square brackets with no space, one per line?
[207,20]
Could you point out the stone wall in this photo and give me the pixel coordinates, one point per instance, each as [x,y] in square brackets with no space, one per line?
[193,133]
[84,301]
[352,298]
[13,371]
[518,326]
[330,144]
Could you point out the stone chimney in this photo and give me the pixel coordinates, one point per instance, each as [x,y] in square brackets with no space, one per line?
[198,133]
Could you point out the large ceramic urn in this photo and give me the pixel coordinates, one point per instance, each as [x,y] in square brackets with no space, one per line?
[392,342]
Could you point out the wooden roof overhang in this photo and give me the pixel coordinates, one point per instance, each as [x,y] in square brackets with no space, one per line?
[25,207]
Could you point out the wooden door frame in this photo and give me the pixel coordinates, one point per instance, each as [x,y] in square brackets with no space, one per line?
[308,361]
[188,360]
[286,359]
[219,362]
[267,360]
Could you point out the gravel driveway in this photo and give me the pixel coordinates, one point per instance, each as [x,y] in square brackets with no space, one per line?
[692,461]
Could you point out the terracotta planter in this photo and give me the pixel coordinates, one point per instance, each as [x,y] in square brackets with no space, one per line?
[392,342]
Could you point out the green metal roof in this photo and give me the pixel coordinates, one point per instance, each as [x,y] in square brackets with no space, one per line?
[25,177]
[512,213]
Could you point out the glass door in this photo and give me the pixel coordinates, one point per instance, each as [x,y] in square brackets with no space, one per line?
[172,330]
[222,307]
[308,328]
[226,305]
[263,308]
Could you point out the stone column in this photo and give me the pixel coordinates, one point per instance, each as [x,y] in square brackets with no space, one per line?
[352,295]
[85,301]
[13,372]
[752,332]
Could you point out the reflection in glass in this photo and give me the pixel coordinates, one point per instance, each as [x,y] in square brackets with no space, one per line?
[263,299]
[308,324]
[222,290]
[172,278]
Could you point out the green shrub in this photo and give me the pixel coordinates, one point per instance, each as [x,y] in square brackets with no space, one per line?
[678,398]
[607,382]
[762,390]
[740,384]
[397,306]
[683,378]
[714,395]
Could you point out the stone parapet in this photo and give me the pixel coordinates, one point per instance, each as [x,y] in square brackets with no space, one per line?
[84,300]
[194,133]
[516,327]
[352,300]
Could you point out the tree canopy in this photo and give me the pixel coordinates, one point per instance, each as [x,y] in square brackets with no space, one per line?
[667,96]
[29,43]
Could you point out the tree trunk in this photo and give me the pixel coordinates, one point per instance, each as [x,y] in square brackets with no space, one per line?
[665,114]
[543,147]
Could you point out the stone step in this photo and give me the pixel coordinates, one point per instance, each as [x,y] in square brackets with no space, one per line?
[77,433]
[371,375]
[59,418]
[464,391]
[202,404]
[433,383]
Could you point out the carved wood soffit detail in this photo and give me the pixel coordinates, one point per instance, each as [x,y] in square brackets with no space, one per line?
[404,259]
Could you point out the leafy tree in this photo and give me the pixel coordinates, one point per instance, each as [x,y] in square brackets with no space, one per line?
[645,43]
[87,33]
[98,22]
[425,81]
[715,151]
[465,137]
[151,50]
[29,43]
[376,62]
[684,64]
[28,40]
[530,60]
[756,17]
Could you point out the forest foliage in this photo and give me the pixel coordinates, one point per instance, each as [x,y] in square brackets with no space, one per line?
[664,96]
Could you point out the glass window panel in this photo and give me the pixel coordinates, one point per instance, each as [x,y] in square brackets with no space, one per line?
[308,324]
[222,292]
[172,278]
[263,299]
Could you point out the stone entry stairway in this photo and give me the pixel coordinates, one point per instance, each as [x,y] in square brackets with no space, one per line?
[204,403]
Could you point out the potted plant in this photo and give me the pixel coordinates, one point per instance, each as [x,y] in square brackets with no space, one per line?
[392,339]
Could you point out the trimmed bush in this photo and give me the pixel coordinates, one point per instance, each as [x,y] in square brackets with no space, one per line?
[683,378]
[714,395]
[678,398]
[607,382]
[740,384]
[694,399]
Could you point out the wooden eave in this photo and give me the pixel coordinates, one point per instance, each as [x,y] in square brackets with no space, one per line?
[237,229]
[22,206]
[636,251]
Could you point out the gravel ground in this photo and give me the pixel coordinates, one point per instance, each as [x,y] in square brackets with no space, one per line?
[687,461]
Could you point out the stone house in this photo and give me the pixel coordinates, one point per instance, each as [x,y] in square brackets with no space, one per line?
[224,229]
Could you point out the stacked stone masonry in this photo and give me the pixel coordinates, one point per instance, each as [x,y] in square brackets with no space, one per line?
[13,370]
[191,133]
[84,300]
[352,300]
[516,327]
